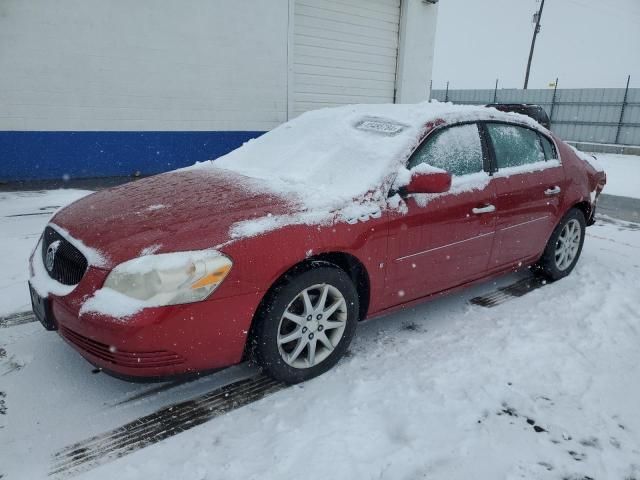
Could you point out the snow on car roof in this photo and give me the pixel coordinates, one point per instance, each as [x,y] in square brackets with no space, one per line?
[334,154]
[324,159]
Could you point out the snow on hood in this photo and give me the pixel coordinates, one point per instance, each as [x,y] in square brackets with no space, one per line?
[335,159]
[182,210]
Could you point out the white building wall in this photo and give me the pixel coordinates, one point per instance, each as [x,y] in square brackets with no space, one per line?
[417,42]
[120,87]
[143,64]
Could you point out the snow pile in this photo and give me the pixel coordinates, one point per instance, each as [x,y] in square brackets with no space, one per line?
[106,301]
[623,174]
[158,206]
[150,250]
[94,257]
[404,174]
[253,227]
[589,158]
[528,168]
[328,160]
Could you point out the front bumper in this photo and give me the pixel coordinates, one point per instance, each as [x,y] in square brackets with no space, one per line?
[155,342]
[161,342]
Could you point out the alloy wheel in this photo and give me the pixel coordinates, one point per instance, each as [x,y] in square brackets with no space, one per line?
[312,325]
[568,244]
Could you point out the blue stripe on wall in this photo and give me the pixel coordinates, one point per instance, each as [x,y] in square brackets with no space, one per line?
[51,155]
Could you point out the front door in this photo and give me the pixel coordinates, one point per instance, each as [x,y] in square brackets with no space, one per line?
[443,240]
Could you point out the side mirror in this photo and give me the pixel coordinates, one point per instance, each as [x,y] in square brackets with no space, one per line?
[429,182]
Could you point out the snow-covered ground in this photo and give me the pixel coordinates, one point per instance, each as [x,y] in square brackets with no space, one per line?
[623,174]
[543,386]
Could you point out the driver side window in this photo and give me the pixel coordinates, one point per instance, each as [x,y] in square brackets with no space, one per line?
[455,149]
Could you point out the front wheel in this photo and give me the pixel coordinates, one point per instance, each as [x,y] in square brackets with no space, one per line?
[306,323]
[564,247]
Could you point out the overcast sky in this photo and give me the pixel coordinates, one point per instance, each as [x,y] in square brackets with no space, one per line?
[586,43]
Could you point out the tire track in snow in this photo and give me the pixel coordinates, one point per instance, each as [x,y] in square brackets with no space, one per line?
[164,423]
[17,319]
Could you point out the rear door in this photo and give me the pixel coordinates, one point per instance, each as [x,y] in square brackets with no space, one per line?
[445,239]
[529,184]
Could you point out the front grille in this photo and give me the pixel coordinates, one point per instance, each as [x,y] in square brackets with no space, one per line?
[69,265]
[123,358]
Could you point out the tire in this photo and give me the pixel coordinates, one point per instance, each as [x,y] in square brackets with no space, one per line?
[561,256]
[293,338]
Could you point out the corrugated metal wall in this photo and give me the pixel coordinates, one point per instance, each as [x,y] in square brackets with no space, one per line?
[585,115]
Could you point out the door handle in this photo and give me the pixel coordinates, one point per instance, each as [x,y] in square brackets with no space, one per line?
[485,209]
[553,191]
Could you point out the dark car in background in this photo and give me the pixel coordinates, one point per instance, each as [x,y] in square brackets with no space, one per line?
[530,110]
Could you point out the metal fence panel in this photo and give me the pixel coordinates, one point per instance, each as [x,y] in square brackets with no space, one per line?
[578,114]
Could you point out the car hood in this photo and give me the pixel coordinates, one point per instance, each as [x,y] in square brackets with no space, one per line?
[176,211]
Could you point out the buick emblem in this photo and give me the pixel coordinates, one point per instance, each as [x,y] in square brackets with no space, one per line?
[50,258]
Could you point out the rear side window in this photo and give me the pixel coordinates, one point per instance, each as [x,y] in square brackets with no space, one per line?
[549,149]
[455,149]
[515,146]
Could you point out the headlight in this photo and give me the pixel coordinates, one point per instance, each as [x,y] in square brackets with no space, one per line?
[170,278]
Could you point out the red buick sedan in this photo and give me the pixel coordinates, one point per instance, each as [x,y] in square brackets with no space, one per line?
[276,250]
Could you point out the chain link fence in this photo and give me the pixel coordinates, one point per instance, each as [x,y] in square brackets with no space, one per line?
[598,115]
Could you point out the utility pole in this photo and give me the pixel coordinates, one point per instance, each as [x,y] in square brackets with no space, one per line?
[536,30]
[624,104]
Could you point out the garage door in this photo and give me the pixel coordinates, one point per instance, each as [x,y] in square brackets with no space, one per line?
[344,51]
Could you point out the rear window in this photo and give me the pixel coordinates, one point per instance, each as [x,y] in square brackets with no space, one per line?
[515,146]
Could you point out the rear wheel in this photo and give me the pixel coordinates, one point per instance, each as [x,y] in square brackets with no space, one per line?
[306,324]
[564,247]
